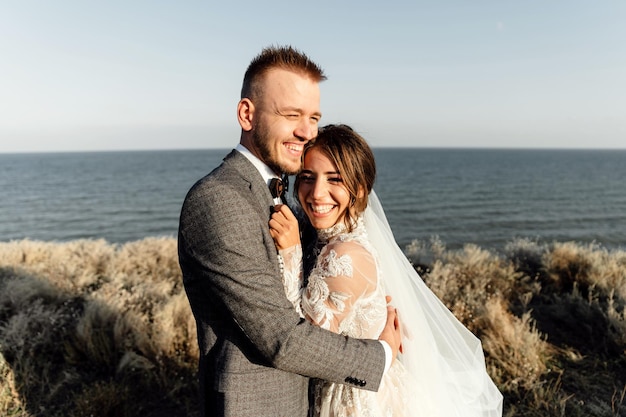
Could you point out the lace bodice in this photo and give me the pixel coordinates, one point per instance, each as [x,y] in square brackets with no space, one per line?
[441,372]
[343,293]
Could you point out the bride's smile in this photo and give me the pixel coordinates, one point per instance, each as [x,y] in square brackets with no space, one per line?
[322,193]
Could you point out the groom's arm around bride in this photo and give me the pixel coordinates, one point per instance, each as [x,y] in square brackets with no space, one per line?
[256,353]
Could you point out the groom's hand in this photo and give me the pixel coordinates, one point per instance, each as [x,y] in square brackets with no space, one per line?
[392,331]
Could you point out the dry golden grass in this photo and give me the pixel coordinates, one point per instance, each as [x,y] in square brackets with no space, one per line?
[93,329]
[90,328]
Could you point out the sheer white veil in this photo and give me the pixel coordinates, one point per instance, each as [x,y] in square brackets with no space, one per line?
[444,359]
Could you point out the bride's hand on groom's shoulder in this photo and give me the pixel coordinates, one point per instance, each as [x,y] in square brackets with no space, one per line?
[284,227]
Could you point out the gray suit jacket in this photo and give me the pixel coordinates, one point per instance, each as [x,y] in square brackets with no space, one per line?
[256,353]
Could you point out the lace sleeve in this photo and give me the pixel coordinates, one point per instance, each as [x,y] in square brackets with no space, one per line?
[345,273]
[290,261]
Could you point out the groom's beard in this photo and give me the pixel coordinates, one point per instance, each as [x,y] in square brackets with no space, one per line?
[261,141]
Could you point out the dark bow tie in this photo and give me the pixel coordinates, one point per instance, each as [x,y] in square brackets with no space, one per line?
[278,187]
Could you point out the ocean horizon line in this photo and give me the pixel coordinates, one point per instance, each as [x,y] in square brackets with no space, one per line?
[463,195]
[226,149]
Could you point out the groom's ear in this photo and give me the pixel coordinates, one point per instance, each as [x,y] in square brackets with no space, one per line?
[245,114]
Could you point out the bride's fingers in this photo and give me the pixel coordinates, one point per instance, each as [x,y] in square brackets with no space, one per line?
[286,211]
[283,215]
[285,218]
[283,209]
[391,332]
[276,228]
[398,325]
[278,220]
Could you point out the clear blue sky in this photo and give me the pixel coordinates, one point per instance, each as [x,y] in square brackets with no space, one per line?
[78,75]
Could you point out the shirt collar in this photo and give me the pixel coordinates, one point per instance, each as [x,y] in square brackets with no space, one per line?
[263,169]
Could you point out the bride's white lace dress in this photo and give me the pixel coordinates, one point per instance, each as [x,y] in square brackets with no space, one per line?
[441,372]
[345,294]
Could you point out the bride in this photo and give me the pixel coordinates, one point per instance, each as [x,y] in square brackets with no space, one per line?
[441,370]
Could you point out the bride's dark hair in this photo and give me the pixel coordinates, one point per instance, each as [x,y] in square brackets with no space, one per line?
[354,159]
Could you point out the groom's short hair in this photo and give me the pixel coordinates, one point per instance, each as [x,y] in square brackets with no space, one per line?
[284,57]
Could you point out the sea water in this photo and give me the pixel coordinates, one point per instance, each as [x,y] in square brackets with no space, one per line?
[487,197]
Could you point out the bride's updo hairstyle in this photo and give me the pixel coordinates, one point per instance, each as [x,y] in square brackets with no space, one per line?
[354,159]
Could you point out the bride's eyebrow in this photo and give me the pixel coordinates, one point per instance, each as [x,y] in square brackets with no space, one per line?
[308,171]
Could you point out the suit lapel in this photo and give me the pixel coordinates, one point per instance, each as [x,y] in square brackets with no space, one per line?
[252,176]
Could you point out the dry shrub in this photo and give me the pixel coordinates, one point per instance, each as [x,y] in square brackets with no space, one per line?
[20,289]
[10,398]
[93,341]
[519,363]
[527,255]
[609,272]
[103,399]
[33,346]
[74,265]
[518,352]
[92,329]
[569,263]
[561,266]
[591,283]
[153,259]
[616,313]
[177,335]
[551,319]
[106,325]
[466,280]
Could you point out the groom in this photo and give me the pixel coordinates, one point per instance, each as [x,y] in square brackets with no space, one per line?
[256,354]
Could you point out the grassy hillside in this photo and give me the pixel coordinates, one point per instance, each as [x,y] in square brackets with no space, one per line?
[93,329]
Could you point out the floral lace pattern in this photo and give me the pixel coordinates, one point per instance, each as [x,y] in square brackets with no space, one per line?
[344,294]
[290,261]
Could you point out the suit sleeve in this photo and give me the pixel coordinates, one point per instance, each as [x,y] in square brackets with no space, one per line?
[228,257]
